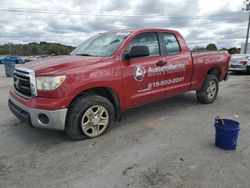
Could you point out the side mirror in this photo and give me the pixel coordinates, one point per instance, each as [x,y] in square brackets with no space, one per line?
[137,51]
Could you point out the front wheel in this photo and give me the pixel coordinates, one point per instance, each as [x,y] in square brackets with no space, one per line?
[88,117]
[208,93]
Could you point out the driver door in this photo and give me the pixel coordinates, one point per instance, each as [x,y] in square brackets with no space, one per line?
[140,84]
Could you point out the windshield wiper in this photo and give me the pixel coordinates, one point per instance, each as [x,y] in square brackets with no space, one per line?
[84,54]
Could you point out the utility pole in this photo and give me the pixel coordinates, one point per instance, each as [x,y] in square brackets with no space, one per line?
[247,3]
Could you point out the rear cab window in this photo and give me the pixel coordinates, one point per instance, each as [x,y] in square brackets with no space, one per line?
[171,43]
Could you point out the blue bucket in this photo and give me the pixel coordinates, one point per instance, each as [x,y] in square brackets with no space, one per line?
[226,133]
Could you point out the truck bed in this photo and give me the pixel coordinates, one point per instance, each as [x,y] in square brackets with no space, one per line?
[204,61]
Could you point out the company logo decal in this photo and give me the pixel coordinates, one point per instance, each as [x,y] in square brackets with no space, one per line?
[157,71]
[139,73]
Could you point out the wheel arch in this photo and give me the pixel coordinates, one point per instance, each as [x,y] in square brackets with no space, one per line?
[215,71]
[107,93]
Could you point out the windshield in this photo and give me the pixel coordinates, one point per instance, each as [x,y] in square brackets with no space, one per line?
[101,45]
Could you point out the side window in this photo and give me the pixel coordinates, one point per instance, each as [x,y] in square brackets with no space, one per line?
[146,39]
[171,43]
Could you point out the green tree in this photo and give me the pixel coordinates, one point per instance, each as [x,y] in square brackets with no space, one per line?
[198,48]
[234,50]
[211,47]
[53,49]
[34,48]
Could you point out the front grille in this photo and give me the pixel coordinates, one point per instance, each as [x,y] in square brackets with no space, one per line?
[22,82]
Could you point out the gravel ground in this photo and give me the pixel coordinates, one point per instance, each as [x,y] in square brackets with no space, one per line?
[165,144]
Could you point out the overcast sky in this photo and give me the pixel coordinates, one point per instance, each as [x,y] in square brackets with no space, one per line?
[200,21]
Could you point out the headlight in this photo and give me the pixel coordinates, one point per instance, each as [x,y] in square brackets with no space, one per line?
[49,82]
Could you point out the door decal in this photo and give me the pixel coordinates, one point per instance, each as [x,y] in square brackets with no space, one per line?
[161,84]
[156,71]
[139,73]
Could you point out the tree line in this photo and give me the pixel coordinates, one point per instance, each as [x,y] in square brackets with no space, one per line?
[47,48]
[34,48]
[213,47]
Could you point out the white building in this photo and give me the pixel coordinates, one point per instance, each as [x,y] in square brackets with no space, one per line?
[243,47]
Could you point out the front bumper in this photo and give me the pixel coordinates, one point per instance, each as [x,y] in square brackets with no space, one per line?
[49,119]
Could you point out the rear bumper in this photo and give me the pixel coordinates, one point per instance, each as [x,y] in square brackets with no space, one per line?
[49,119]
[238,68]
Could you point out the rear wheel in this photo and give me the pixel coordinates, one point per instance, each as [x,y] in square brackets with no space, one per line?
[208,93]
[88,117]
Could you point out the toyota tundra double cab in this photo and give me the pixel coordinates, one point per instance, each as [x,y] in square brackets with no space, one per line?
[84,92]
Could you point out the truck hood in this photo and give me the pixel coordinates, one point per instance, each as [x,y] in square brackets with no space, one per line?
[49,66]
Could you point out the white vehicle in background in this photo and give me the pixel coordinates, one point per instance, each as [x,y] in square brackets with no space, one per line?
[240,63]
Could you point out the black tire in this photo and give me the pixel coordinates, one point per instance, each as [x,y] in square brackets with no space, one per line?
[203,95]
[77,110]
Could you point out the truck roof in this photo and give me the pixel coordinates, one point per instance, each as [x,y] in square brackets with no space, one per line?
[147,30]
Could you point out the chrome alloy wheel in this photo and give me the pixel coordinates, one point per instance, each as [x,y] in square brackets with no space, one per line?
[211,89]
[95,120]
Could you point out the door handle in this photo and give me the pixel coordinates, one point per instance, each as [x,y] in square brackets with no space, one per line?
[161,63]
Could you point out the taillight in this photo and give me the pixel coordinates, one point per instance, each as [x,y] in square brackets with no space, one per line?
[243,62]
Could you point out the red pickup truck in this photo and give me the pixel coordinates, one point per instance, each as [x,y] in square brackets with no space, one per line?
[84,92]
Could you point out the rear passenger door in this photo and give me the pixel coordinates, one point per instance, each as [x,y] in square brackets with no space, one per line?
[179,65]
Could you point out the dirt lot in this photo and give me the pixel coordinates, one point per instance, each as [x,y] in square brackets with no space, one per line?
[164,144]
